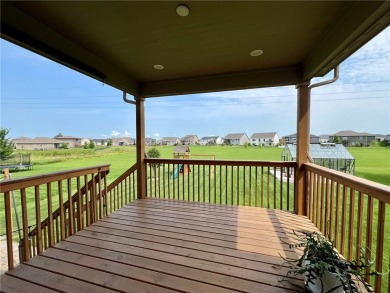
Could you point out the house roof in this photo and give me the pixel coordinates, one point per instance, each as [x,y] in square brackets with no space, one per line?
[234,136]
[295,135]
[352,133]
[263,135]
[119,42]
[209,137]
[67,137]
[190,136]
[38,140]
[170,139]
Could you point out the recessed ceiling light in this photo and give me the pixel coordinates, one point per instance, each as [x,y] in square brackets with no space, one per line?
[256,53]
[182,10]
[158,67]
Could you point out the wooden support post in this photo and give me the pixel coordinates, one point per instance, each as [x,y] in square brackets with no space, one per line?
[303,141]
[140,137]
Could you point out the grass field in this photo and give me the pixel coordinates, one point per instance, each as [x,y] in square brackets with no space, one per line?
[371,163]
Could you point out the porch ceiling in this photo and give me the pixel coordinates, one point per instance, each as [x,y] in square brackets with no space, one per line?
[209,50]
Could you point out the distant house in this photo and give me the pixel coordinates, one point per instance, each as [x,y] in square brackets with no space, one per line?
[170,141]
[324,138]
[100,141]
[190,139]
[353,138]
[236,139]
[121,141]
[292,138]
[71,141]
[382,137]
[38,143]
[265,139]
[150,141]
[211,140]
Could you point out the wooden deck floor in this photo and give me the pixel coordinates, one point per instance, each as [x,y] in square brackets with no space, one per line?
[154,245]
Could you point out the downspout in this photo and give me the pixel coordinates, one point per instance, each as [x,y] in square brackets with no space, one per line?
[127,100]
[335,77]
[318,84]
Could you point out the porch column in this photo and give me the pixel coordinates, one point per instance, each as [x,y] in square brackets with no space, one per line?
[303,141]
[140,140]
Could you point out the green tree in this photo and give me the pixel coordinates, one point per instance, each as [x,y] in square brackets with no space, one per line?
[109,142]
[153,153]
[6,145]
[59,135]
[336,139]
[91,144]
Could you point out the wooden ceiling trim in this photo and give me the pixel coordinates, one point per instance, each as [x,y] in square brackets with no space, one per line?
[224,82]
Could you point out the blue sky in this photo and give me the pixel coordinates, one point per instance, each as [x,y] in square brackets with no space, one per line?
[42,98]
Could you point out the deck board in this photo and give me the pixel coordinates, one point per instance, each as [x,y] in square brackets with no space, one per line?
[156,245]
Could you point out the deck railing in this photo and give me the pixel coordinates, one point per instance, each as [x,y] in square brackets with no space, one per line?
[47,216]
[352,212]
[248,183]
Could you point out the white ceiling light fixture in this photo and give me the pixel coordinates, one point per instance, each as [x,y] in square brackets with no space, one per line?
[256,53]
[182,10]
[158,67]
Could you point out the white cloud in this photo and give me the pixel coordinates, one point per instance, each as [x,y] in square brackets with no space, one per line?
[115,133]
[156,135]
[126,134]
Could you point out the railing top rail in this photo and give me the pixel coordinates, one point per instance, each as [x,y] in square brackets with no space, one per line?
[376,190]
[222,162]
[19,183]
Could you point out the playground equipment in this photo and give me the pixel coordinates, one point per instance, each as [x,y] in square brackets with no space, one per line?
[181,152]
[17,162]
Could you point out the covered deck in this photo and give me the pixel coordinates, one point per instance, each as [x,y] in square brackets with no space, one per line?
[157,245]
[79,233]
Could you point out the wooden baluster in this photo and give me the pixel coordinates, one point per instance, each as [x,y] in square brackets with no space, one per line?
[62,211]
[337,224]
[122,197]
[238,185]
[343,220]
[315,202]
[275,200]
[256,187]
[164,193]
[351,222]
[87,201]
[38,218]
[8,229]
[193,181]
[268,188]
[359,225]
[105,192]
[280,187]
[209,187]
[322,204]
[231,183]
[288,188]
[26,244]
[190,170]
[244,171]
[369,225]
[220,184]
[80,225]
[204,183]
[101,198]
[380,245]
[331,209]
[262,186]
[50,215]
[94,199]
[169,182]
